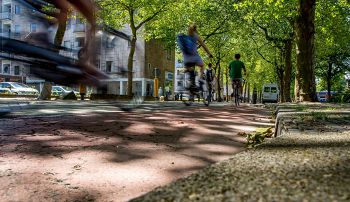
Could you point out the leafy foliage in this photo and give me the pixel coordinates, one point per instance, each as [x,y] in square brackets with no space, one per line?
[256,29]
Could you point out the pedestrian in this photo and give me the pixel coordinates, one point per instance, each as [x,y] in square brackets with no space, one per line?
[209,77]
[82,91]
[160,92]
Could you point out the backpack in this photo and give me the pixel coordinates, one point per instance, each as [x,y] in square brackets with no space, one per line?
[187,44]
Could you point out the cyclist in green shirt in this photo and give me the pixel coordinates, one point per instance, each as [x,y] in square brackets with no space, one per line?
[236,68]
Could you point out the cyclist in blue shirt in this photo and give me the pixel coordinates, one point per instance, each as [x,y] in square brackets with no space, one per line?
[190,53]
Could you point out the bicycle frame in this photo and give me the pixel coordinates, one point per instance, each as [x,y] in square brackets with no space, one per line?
[201,94]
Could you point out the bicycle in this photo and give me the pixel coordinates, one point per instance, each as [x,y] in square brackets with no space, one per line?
[201,92]
[236,85]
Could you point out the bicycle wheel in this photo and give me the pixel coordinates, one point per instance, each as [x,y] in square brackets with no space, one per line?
[189,100]
[205,97]
[236,96]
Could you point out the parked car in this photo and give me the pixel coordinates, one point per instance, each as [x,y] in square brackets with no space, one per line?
[270,93]
[62,91]
[18,88]
[322,96]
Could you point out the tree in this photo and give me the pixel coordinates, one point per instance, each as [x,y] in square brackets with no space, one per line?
[305,39]
[135,13]
[334,65]
[332,41]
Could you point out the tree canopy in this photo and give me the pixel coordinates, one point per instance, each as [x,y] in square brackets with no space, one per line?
[264,32]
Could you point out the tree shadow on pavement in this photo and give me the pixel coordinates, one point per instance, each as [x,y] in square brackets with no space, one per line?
[179,140]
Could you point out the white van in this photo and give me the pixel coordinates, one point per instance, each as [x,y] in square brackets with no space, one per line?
[270,93]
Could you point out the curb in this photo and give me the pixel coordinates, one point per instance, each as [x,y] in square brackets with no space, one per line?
[284,113]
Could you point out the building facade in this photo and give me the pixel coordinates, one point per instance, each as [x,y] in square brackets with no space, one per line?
[112,52]
[14,23]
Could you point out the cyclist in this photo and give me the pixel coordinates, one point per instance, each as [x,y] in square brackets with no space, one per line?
[236,66]
[188,44]
[209,77]
[86,55]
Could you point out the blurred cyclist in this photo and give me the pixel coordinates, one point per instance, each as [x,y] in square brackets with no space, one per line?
[209,77]
[188,44]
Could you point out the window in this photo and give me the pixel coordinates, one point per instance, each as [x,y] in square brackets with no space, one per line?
[17,29]
[80,41]
[33,27]
[109,66]
[17,9]
[66,44]
[110,42]
[7,8]
[266,89]
[149,67]
[6,85]
[79,21]
[6,28]
[6,69]
[98,64]
[69,22]
[273,90]
[55,88]
[17,70]
[31,69]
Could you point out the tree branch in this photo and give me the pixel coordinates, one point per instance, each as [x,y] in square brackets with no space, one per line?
[270,38]
[152,16]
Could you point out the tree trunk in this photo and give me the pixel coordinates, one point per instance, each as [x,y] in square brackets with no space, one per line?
[226,74]
[296,88]
[62,24]
[260,96]
[245,91]
[45,93]
[131,64]
[305,37]
[288,70]
[248,84]
[329,81]
[218,81]
[280,72]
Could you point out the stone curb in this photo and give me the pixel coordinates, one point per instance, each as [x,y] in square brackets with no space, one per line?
[286,113]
